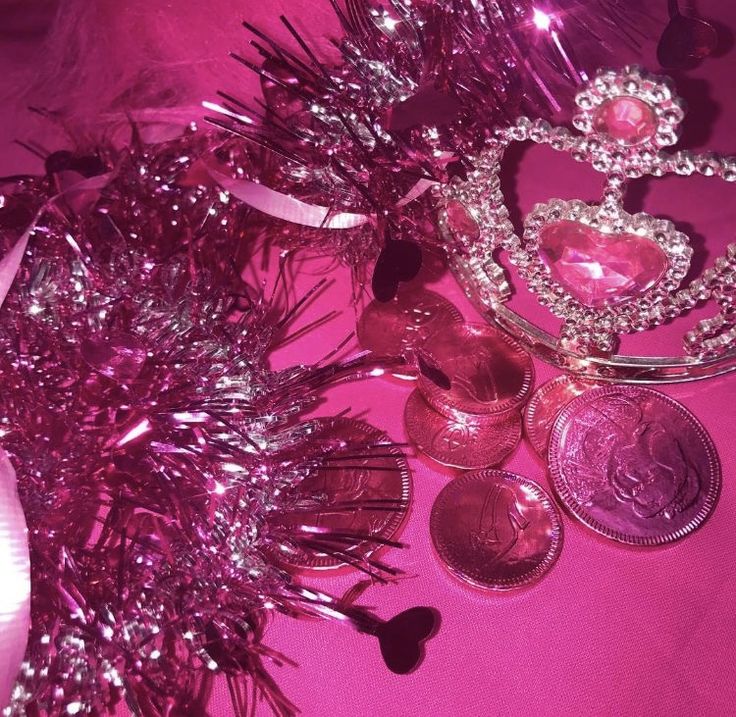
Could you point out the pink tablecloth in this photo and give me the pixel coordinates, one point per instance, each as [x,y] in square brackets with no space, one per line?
[610,630]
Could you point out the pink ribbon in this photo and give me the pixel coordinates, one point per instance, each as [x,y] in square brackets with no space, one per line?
[10,263]
[286,207]
[15,567]
[78,195]
[282,206]
[15,579]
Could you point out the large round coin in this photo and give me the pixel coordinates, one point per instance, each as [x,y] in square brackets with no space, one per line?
[389,328]
[364,489]
[495,530]
[544,406]
[460,443]
[634,465]
[489,372]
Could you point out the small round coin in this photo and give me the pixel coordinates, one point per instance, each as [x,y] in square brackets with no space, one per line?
[495,530]
[544,406]
[389,328]
[364,490]
[466,444]
[634,465]
[489,372]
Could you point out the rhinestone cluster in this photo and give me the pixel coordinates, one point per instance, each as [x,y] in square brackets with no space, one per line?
[714,337]
[587,327]
[474,219]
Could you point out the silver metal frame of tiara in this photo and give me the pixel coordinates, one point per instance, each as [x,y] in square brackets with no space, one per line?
[625,118]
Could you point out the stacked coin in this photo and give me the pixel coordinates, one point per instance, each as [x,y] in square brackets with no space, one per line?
[476,422]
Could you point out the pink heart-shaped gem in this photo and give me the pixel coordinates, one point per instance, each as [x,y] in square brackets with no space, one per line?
[599,268]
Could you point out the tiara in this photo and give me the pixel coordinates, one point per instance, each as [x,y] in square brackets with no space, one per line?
[602,271]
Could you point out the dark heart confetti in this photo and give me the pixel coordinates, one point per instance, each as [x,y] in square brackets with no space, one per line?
[399,260]
[686,40]
[402,638]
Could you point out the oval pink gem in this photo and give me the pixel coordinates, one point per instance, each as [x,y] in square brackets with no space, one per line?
[627,119]
[460,222]
[598,268]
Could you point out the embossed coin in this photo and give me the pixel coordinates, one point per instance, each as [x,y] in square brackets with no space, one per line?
[460,443]
[489,372]
[634,465]
[364,489]
[495,530]
[544,406]
[388,328]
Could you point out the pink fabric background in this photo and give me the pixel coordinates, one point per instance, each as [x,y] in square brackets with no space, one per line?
[610,630]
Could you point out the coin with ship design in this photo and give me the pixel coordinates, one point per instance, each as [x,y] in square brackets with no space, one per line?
[495,530]
[488,371]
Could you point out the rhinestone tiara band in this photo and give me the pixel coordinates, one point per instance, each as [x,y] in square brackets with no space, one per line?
[603,271]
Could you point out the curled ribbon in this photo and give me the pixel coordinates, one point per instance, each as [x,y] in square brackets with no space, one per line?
[15,567]
[10,263]
[283,206]
[77,196]
[15,577]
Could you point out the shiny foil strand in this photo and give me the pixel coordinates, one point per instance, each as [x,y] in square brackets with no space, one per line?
[157,454]
[416,88]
